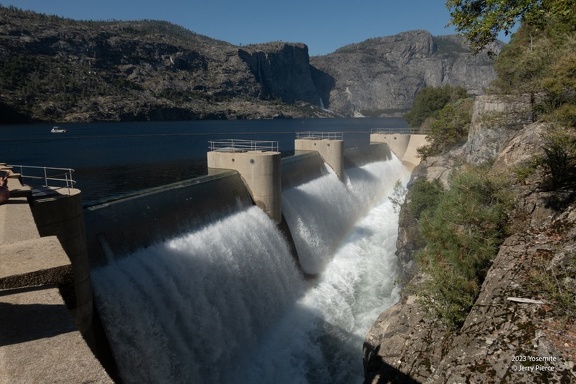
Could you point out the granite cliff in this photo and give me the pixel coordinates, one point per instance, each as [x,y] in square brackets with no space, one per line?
[514,333]
[381,76]
[56,69]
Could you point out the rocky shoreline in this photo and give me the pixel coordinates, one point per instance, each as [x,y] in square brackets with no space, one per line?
[512,334]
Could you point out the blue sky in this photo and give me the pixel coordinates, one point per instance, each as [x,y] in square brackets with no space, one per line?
[322,25]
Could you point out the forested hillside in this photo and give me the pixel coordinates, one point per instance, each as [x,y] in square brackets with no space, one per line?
[58,69]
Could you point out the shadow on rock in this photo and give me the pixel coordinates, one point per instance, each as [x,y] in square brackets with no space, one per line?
[377,371]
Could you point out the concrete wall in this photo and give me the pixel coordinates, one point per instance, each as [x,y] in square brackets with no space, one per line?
[411,157]
[359,156]
[404,146]
[44,281]
[61,215]
[131,223]
[330,150]
[301,168]
[261,173]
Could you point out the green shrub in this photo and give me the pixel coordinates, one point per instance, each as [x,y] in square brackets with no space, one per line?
[541,62]
[564,115]
[449,128]
[423,195]
[524,170]
[559,159]
[430,100]
[463,232]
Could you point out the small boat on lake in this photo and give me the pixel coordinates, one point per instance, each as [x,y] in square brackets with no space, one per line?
[58,130]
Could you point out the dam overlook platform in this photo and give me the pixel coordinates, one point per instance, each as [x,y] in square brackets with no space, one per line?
[51,244]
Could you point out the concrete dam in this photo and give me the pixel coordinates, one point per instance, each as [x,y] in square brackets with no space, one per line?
[264,270]
[234,265]
[157,213]
[239,174]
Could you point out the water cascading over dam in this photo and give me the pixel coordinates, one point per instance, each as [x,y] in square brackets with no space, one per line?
[226,302]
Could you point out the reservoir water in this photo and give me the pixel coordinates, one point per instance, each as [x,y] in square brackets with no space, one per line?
[112,159]
[226,303]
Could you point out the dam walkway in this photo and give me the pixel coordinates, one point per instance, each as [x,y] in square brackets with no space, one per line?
[39,340]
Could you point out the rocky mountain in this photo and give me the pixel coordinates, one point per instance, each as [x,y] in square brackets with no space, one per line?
[56,69]
[381,76]
[64,70]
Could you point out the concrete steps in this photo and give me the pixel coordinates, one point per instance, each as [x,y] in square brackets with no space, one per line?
[33,262]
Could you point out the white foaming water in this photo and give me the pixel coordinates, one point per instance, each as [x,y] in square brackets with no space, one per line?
[319,213]
[185,311]
[320,339]
[226,304]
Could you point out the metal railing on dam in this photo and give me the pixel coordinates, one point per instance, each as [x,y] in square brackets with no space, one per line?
[311,135]
[46,176]
[405,131]
[242,145]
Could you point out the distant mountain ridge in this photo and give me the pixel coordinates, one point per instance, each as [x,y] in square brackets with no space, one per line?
[382,75]
[56,69]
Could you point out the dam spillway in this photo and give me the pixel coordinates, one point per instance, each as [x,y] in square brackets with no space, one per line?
[224,301]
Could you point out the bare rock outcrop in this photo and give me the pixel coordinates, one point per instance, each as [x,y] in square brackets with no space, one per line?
[495,120]
[282,70]
[381,76]
[522,146]
[503,339]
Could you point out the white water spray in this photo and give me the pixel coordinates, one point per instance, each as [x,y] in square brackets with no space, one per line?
[320,339]
[184,311]
[319,213]
[226,304]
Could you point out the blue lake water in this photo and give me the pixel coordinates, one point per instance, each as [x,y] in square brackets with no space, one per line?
[112,159]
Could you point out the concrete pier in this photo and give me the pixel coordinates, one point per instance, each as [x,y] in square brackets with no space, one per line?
[404,145]
[61,214]
[39,340]
[330,145]
[259,165]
